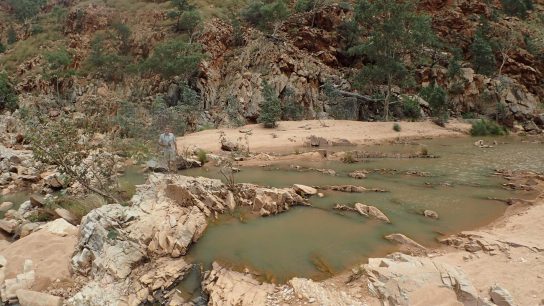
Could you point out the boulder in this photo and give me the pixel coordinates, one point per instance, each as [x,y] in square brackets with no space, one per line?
[9,226]
[430,214]
[501,296]
[316,141]
[371,211]
[66,215]
[27,229]
[53,181]
[36,201]
[6,206]
[304,190]
[156,166]
[229,146]
[183,163]
[25,207]
[60,227]
[33,298]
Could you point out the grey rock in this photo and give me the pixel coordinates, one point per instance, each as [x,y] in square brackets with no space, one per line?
[501,296]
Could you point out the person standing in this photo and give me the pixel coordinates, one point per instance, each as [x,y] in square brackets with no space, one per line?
[169,148]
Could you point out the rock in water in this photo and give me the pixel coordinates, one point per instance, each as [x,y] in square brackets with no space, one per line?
[359,174]
[430,214]
[371,211]
[501,296]
[304,190]
[406,243]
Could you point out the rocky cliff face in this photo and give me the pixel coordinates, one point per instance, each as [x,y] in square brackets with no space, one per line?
[306,52]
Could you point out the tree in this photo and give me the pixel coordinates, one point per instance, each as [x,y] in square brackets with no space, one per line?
[436,96]
[58,63]
[109,65]
[189,21]
[184,14]
[26,9]
[504,41]
[8,96]
[12,36]
[174,58]
[266,15]
[517,7]
[397,31]
[483,57]
[270,108]
[123,33]
[61,143]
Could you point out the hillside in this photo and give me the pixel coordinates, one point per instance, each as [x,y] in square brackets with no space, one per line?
[109,47]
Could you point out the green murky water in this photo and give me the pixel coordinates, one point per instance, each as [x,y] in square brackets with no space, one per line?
[318,241]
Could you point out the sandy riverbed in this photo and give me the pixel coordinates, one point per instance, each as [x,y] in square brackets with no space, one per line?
[290,135]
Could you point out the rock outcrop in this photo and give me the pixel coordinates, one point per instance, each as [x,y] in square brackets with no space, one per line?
[397,278]
[365,210]
[134,253]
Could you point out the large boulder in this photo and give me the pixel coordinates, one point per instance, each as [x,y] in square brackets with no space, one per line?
[371,211]
[304,190]
[501,296]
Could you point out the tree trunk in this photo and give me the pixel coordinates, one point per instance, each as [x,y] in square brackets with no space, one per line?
[387,98]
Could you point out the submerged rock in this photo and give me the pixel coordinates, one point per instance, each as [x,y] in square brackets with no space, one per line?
[359,174]
[351,188]
[407,244]
[430,214]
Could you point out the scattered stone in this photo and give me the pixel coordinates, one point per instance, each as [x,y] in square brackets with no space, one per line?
[60,227]
[304,190]
[320,195]
[351,188]
[183,163]
[359,174]
[8,225]
[66,215]
[35,201]
[501,296]
[430,214]
[33,298]
[27,229]
[316,141]
[229,146]
[6,206]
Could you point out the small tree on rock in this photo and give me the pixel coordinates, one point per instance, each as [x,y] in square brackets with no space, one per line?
[483,57]
[270,108]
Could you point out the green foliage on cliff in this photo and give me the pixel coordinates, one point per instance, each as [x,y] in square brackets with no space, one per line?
[436,96]
[266,15]
[397,29]
[517,7]
[8,96]
[174,58]
[26,9]
[270,108]
[483,57]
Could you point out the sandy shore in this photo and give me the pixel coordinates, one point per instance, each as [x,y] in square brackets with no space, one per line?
[290,135]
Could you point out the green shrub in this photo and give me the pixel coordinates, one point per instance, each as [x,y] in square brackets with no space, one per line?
[2,47]
[396,127]
[26,9]
[174,58]
[486,127]
[308,5]
[12,36]
[265,15]
[202,156]
[483,57]
[40,216]
[436,96]
[411,108]
[517,7]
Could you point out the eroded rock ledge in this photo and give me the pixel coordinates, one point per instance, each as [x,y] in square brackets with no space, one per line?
[133,254]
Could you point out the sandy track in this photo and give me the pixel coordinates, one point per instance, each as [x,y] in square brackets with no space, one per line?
[292,134]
